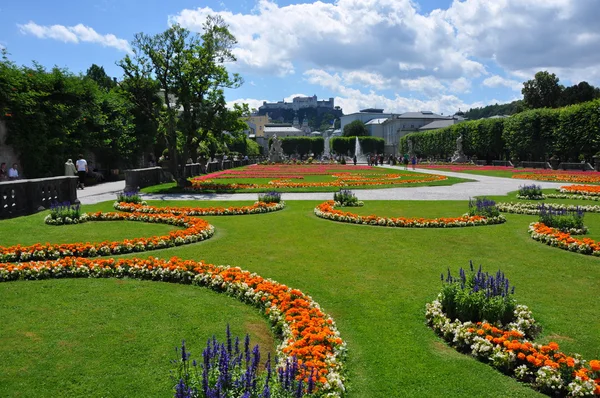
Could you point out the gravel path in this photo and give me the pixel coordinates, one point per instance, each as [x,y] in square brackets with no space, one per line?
[480,186]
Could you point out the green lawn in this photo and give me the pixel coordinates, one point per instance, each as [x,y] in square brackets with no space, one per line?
[374,281]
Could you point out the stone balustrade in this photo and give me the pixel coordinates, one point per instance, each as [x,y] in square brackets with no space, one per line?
[575,166]
[23,197]
[506,163]
[536,165]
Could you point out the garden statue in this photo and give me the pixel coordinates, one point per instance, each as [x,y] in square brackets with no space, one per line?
[276,152]
[459,156]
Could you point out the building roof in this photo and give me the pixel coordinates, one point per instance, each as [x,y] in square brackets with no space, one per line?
[283,129]
[421,115]
[379,120]
[438,124]
[371,110]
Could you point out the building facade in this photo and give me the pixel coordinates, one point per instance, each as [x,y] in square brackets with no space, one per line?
[297,104]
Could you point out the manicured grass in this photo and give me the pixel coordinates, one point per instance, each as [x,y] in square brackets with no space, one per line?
[109,337]
[508,173]
[375,282]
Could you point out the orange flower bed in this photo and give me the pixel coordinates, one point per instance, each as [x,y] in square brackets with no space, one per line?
[553,237]
[327,210]
[309,334]
[258,207]
[196,230]
[593,190]
[561,177]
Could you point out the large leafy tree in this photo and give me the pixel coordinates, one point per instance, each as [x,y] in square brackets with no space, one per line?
[543,91]
[355,129]
[191,74]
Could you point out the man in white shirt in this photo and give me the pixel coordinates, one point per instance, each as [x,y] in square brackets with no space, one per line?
[13,172]
[82,169]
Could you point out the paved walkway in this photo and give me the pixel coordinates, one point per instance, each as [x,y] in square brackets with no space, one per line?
[481,186]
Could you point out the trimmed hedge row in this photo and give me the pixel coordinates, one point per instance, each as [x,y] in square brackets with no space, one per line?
[301,145]
[344,145]
[535,135]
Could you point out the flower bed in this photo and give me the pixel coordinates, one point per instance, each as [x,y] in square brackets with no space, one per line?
[533,208]
[195,230]
[590,190]
[307,333]
[571,196]
[545,367]
[256,208]
[560,177]
[563,240]
[283,176]
[327,210]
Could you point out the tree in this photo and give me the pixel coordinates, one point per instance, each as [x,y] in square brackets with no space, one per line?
[579,93]
[542,92]
[191,73]
[355,129]
[98,74]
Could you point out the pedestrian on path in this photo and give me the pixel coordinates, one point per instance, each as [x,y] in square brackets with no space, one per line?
[82,169]
[413,161]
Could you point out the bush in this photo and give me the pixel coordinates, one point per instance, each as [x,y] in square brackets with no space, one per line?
[346,198]
[269,197]
[227,370]
[483,207]
[563,220]
[478,296]
[530,192]
[130,197]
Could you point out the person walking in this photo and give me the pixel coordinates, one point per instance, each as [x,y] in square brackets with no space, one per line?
[405,161]
[3,172]
[70,169]
[82,169]
[354,160]
[413,161]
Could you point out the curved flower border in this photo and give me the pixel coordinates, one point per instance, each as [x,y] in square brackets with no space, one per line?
[196,230]
[327,211]
[572,196]
[559,177]
[308,333]
[256,208]
[533,208]
[589,190]
[508,350]
[531,197]
[554,237]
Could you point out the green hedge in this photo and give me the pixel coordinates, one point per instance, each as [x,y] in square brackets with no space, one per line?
[534,135]
[301,145]
[345,145]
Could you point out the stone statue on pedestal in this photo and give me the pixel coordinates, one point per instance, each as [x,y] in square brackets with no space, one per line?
[459,155]
[276,152]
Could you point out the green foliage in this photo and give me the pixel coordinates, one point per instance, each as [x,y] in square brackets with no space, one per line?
[301,145]
[54,115]
[495,110]
[478,296]
[535,135]
[543,91]
[355,129]
[252,148]
[269,197]
[562,220]
[347,198]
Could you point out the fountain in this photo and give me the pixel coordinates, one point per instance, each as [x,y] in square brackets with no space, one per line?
[360,156]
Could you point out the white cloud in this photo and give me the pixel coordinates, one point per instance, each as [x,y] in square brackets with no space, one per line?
[387,37]
[74,34]
[252,103]
[460,85]
[499,81]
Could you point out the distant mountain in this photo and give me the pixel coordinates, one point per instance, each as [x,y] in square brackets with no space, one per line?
[494,110]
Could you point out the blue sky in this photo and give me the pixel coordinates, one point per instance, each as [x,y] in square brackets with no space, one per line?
[400,55]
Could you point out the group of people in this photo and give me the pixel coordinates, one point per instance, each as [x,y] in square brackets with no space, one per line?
[10,174]
[373,160]
[79,168]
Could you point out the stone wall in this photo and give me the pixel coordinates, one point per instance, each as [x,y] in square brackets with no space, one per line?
[22,197]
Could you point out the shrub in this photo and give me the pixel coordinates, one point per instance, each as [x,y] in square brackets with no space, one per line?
[563,220]
[228,371]
[269,197]
[483,207]
[130,197]
[478,296]
[346,198]
[530,192]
